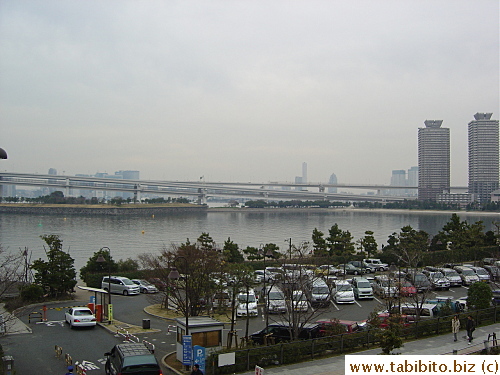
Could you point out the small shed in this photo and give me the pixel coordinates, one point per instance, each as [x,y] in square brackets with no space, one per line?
[205,331]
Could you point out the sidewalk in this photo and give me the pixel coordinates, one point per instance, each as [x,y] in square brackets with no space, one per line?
[434,345]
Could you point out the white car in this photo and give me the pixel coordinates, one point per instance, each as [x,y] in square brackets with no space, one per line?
[343,292]
[145,286]
[80,317]
[247,304]
[299,301]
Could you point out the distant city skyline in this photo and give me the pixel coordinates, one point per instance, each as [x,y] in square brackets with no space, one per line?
[244,90]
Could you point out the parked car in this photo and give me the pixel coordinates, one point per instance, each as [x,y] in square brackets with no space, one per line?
[377,264]
[259,276]
[80,317]
[145,286]
[419,280]
[299,301]
[496,297]
[426,310]
[467,275]
[247,304]
[277,332]
[384,317]
[406,289]
[343,292]
[332,327]
[385,287]
[275,300]
[438,280]
[350,269]
[452,275]
[158,283]
[320,293]
[482,274]
[362,288]
[494,272]
[367,268]
[273,273]
[329,270]
[442,301]
[221,299]
[120,285]
[132,358]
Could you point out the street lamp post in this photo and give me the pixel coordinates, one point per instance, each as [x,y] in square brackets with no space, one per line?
[101,259]
[268,253]
[174,275]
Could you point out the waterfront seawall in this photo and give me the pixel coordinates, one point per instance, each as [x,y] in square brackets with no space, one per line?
[142,210]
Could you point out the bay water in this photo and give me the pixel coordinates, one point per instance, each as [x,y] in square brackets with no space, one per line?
[127,237]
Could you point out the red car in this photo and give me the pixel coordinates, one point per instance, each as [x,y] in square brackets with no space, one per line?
[384,318]
[329,327]
[407,289]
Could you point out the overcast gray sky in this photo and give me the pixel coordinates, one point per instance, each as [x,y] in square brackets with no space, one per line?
[242,90]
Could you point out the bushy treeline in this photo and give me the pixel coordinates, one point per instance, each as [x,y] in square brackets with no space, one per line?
[57,197]
[405,204]
[295,203]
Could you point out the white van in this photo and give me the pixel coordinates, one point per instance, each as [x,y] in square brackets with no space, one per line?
[247,304]
[275,302]
[427,310]
[120,285]
[343,292]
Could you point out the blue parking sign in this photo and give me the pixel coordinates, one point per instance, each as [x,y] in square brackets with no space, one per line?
[187,350]
[199,356]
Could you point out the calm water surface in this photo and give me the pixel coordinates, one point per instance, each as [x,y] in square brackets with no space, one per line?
[128,237]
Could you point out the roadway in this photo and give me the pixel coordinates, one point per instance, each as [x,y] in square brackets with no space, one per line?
[71,185]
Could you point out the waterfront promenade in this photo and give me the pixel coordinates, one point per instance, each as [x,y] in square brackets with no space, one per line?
[442,344]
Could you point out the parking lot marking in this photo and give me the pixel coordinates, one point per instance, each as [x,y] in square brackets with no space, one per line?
[53,323]
[376,299]
[87,365]
[357,303]
[333,303]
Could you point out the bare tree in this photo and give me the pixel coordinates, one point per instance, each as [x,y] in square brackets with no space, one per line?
[14,274]
[296,281]
[196,264]
[409,247]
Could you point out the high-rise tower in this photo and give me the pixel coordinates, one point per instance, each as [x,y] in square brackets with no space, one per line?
[433,160]
[483,157]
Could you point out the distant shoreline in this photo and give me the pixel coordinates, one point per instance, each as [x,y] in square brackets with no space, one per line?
[162,209]
[352,209]
[105,210]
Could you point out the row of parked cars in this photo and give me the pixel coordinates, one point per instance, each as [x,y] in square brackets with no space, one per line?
[126,286]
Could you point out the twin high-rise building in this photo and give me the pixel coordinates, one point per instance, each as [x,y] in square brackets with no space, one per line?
[434,159]
[483,156]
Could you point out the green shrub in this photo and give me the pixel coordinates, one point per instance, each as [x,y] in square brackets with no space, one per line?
[32,293]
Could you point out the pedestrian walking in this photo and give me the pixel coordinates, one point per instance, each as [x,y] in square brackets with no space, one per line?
[455,327]
[470,326]
[70,370]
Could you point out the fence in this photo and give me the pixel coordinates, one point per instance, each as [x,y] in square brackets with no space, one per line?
[298,351]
